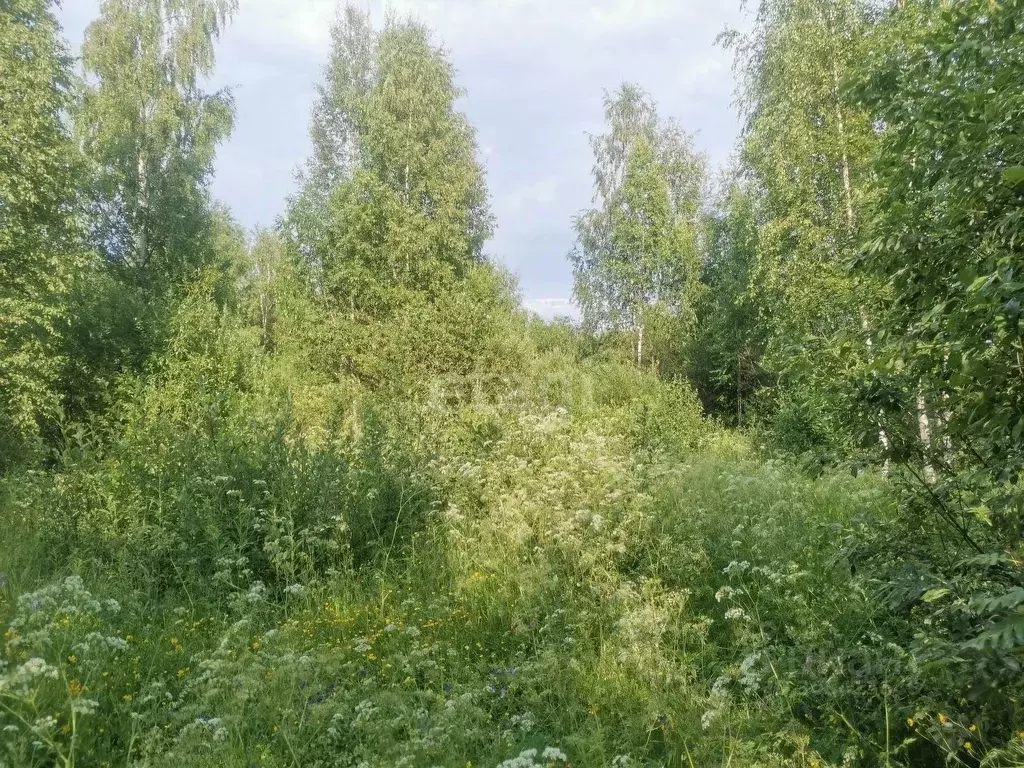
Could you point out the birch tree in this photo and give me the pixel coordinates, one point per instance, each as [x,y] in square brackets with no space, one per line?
[638,246]
[151,131]
[808,148]
[395,164]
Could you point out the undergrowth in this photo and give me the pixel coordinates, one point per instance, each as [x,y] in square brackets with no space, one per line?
[565,566]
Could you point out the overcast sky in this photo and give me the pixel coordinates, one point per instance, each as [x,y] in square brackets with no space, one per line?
[534,72]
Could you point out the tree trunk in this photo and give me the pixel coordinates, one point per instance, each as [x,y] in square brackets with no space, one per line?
[925,433]
[142,215]
[640,346]
[739,389]
[841,125]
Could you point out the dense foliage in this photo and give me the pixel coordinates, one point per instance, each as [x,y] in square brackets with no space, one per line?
[37,232]
[327,495]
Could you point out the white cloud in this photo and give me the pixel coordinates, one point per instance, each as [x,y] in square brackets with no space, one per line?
[300,28]
[481,23]
[535,193]
[553,308]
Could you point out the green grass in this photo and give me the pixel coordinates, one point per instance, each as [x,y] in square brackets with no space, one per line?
[565,566]
[533,576]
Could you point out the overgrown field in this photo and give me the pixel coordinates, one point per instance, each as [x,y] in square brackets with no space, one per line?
[567,567]
[326,494]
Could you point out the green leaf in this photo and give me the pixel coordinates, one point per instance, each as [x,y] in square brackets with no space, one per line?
[934,594]
[1004,636]
[1014,176]
[983,514]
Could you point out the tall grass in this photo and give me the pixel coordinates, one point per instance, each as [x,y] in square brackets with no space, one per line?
[565,564]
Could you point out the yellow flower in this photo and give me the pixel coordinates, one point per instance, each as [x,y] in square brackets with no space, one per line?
[75,688]
[182,672]
[910,722]
[943,719]
[973,728]
[968,746]
[72,659]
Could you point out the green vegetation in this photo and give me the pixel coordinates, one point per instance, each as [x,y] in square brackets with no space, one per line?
[326,495]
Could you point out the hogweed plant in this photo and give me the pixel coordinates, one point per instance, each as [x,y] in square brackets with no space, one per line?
[57,649]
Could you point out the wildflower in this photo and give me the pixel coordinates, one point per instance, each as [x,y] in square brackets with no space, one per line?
[36,667]
[943,719]
[910,722]
[968,746]
[85,707]
[973,728]
[182,672]
[75,688]
[72,659]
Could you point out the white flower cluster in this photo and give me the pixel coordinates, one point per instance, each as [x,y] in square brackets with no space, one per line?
[551,756]
[735,614]
[24,677]
[719,701]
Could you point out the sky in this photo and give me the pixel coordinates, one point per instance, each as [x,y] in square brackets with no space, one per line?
[534,71]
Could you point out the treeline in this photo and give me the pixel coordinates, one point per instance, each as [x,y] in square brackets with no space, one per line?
[850,286]
[199,416]
[108,221]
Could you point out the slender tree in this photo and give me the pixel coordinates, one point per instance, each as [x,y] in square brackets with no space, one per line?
[151,131]
[638,247]
[730,344]
[333,131]
[38,179]
[808,148]
[947,240]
